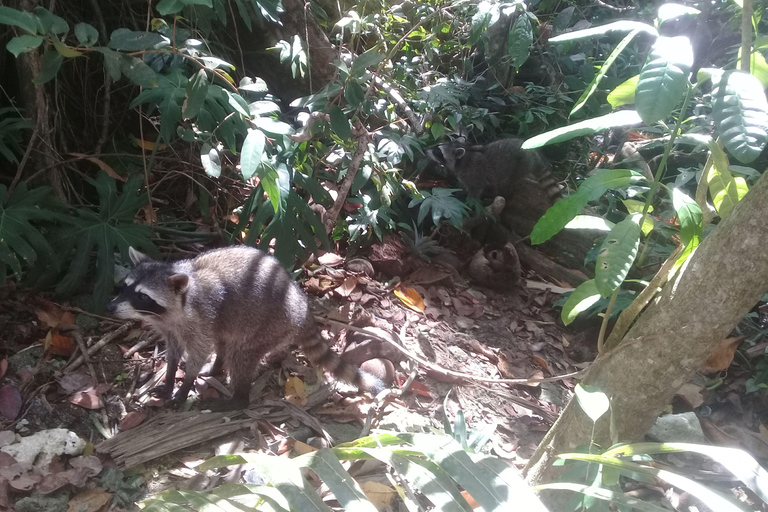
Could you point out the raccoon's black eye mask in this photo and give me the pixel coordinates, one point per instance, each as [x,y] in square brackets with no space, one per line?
[141,301]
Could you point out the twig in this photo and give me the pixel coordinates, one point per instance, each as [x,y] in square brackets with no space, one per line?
[363,137]
[94,315]
[104,341]
[397,98]
[84,350]
[152,338]
[468,376]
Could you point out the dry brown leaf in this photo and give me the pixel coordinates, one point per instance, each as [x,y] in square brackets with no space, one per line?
[91,500]
[347,287]
[330,259]
[411,299]
[87,399]
[302,448]
[380,495]
[472,503]
[132,420]
[102,165]
[721,358]
[58,344]
[540,361]
[295,391]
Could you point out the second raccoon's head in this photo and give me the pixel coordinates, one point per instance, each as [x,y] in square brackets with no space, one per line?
[151,292]
[449,153]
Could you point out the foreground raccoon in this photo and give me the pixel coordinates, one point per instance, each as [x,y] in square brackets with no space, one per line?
[237,302]
[491,170]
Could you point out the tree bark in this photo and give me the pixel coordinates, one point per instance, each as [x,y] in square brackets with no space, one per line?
[671,339]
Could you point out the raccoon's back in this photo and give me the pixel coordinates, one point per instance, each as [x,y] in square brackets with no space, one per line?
[242,288]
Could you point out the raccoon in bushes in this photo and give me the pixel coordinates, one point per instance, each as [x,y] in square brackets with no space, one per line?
[486,171]
[237,302]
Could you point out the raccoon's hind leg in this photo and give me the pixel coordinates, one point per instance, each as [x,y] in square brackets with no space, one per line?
[241,363]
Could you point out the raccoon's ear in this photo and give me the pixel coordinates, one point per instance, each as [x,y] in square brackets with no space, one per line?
[178,283]
[136,256]
[459,153]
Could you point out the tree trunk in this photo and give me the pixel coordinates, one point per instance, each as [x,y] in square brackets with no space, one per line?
[694,312]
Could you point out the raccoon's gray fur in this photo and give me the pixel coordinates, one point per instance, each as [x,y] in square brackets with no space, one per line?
[237,302]
[491,170]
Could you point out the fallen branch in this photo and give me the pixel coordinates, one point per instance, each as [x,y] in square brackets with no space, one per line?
[396,342]
[103,342]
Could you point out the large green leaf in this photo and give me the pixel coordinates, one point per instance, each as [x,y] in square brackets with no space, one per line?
[51,22]
[195,94]
[341,484]
[21,44]
[690,216]
[50,65]
[725,189]
[741,114]
[603,71]
[581,299]
[339,123]
[112,228]
[604,494]
[587,127]
[624,93]
[22,19]
[19,238]
[617,254]
[617,26]
[441,203]
[520,40]
[86,34]
[565,210]
[253,149]
[365,60]
[664,78]
[133,41]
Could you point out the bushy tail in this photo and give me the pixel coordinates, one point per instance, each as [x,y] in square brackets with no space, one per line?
[320,355]
[550,186]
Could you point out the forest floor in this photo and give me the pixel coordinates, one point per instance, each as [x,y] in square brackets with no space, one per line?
[469,335]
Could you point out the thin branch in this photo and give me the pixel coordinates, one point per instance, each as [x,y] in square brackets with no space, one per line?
[363,137]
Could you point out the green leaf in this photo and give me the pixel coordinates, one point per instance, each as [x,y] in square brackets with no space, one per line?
[112,229]
[757,66]
[664,78]
[86,34]
[365,60]
[253,149]
[624,94]
[339,123]
[520,40]
[65,50]
[590,222]
[354,94]
[735,460]
[565,210]
[603,71]
[240,493]
[690,216]
[740,110]
[50,22]
[725,189]
[211,161]
[50,66]
[617,254]
[581,299]
[714,500]
[339,482]
[478,481]
[19,238]
[592,401]
[166,7]
[196,92]
[443,205]
[604,494]
[22,44]
[137,71]
[587,127]
[617,26]
[112,61]
[22,19]
[437,130]
[135,41]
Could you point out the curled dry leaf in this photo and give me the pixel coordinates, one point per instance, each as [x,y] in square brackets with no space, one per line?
[132,420]
[58,344]
[411,299]
[722,357]
[347,287]
[10,401]
[87,399]
[330,259]
[295,391]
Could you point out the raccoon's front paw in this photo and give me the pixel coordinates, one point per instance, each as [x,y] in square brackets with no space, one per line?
[219,405]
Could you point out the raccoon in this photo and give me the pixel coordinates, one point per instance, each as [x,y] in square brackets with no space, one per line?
[237,302]
[492,170]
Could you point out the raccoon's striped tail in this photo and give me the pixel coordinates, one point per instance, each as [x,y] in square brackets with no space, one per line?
[321,356]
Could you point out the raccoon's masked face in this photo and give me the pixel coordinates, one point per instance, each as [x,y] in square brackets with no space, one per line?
[448,154]
[151,292]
